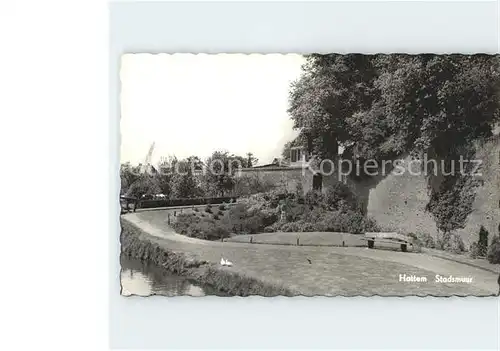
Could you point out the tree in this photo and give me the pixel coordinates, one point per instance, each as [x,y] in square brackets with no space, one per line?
[219,178]
[183,182]
[251,160]
[382,106]
[184,185]
[145,184]
[285,154]
[128,175]
[494,251]
[483,241]
[195,163]
[166,170]
[331,89]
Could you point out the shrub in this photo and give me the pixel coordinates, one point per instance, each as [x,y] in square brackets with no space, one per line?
[196,209]
[270,229]
[207,230]
[222,207]
[333,222]
[241,218]
[290,227]
[208,208]
[299,189]
[371,225]
[457,245]
[494,250]
[294,211]
[413,236]
[201,228]
[220,213]
[298,226]
[474,250]
[416,243]
[423,239]
[317,220]
[450,242]
[315,215]
[310,227]
[314,198]
[427,240]
[216,217]
[340,197]
[482,244]
[347,222]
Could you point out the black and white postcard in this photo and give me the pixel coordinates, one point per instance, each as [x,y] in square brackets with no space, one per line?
[313,175]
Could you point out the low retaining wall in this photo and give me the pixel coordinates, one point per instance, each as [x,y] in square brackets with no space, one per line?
[138,244]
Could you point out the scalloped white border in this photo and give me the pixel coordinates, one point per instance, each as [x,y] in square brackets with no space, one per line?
[300,322]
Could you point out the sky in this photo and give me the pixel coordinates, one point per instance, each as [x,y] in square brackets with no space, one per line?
[194,104]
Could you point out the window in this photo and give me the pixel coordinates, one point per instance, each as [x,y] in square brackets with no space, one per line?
[295,155]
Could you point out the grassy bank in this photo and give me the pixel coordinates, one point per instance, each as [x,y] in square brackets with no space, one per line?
[140,245]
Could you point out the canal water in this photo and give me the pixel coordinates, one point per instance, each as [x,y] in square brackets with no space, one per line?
[144,279]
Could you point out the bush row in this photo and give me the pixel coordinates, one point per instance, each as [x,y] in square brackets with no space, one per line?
[200,227]
[336,211]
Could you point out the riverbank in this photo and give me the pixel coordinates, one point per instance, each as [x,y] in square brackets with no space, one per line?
[137,244]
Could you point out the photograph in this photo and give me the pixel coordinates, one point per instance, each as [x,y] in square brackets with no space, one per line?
[309,175]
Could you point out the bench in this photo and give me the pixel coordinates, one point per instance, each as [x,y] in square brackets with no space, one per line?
[392,238]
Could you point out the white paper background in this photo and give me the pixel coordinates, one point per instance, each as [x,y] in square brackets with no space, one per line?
[368,323]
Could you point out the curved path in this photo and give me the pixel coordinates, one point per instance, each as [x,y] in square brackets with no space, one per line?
[348,271]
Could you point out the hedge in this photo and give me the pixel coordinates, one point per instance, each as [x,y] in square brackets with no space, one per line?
[185,202]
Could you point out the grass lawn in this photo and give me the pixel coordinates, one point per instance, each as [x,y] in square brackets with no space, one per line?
[347,271]
[306,239]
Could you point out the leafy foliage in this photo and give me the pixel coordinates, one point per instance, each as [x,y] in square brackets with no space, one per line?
[249,185]
[452,203]
[184,185]
[199,227]
[145,184]
[381,106]
[494,250]
[483,241]
[337,197]
[452,242]
[335,211]
[390,104]
[128,175]
[220,178]
[245,218]
[347,222]
[251,160]
[186,178]
[474,250]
